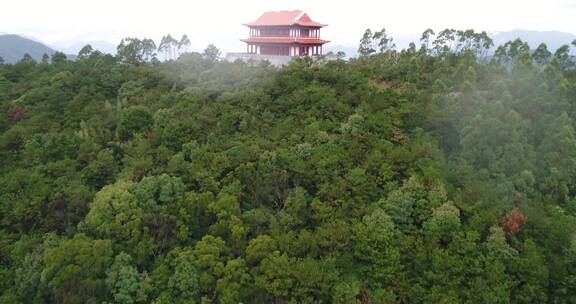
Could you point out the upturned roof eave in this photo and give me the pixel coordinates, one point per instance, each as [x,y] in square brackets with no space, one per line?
[252,24]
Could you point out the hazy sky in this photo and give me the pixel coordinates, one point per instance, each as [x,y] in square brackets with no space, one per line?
[219,21]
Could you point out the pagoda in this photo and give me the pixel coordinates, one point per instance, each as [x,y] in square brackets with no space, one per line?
[285,33]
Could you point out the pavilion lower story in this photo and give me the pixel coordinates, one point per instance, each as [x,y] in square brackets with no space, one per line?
[285,50]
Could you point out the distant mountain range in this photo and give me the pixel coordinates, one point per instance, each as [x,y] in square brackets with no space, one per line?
[13,47]
[553,39]
[74,48]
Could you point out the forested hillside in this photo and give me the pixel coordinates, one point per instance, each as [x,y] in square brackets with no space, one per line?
[433,174]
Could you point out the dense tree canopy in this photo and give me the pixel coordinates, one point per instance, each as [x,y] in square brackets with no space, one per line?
[433,174]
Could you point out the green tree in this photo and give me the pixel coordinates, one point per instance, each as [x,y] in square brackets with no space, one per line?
[512,51]
[169,46]
[384,41]
[407,205]
[124,281]
[558,158]
[184,44]
[102,170]
[542,55]
[58,58]
[211,255]
[85,52]
[135,120]
[184,282]
[23,193]
[425,39]
[45,59]
[563,58]
[274,275]
[497,246]
[211,53]
[366,47]
[136,51]
[495,139]
[532,275]
[445,221]
[376,250]
[115,214]
[76,269]
[235,284]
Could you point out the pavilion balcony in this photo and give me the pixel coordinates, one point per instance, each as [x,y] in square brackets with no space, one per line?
[285,32]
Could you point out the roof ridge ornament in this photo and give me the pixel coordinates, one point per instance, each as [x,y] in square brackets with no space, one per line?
[299,16]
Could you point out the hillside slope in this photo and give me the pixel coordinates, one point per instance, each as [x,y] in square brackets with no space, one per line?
[420,176]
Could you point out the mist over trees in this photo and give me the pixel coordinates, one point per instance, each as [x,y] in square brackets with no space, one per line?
[431,174]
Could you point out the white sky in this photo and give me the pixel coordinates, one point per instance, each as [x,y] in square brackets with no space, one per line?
[219,22]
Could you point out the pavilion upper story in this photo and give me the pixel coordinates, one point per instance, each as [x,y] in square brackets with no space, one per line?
[285,33]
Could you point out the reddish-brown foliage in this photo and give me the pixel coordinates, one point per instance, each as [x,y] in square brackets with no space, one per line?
[513,221]
[16,113]
[398,136]
[365,297]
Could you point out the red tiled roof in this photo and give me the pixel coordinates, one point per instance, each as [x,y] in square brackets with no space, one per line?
[285,18]
[285,40]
